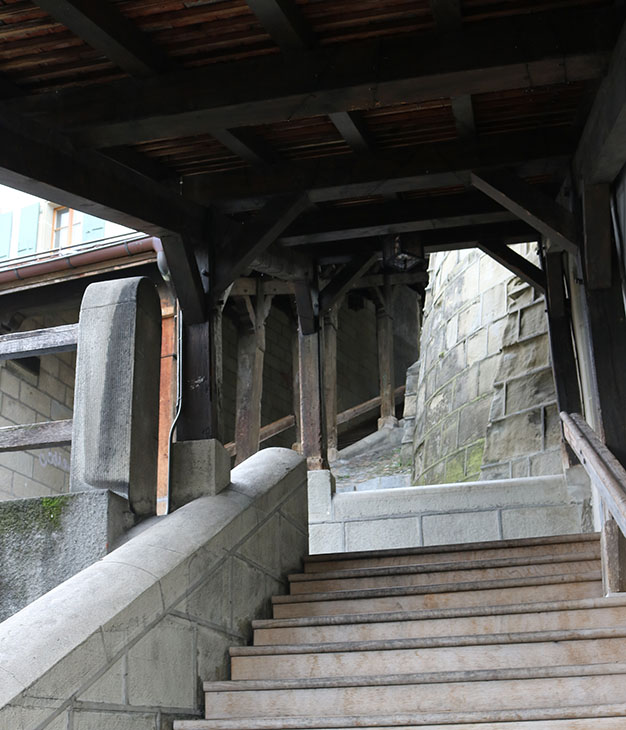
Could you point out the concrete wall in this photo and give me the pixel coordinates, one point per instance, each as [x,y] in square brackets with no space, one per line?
[447,514]
[26,397]
[126,643]
[481,404]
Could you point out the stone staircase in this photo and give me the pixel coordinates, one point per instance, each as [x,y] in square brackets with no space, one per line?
[511,635]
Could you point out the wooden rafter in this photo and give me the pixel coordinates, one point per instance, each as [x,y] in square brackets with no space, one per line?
[447,14]
[284,22]
[342,283]
[103,27]
[352,129]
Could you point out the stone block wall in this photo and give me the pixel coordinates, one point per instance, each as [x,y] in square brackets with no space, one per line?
[481,402]
[126,643]
[446,514]
[27,397]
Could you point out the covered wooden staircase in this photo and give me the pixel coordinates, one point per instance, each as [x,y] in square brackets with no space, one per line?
[511,635]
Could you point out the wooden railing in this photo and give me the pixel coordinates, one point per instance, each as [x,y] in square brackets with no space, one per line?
[608,476]
[18,345]
[287,422]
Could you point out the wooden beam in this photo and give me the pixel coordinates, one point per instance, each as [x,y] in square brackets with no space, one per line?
[148,166]
[306,307]
[564,364]
[597,254]
[395,217]
[250,357]
[36,436]
[530,205]
[254,236]
[311,407]
[100,24]
[344,280]
[351,128]
[607,322]
[517,264]
[367,407]
[186,278]
[42,162]
[338,177]
[244,145]
[331,325]
[447,14]
[284,22]
[33,343]
[601,152]
[463,111]
[613,551]
[486,57]
[267,432]
[386,369]
[199,417]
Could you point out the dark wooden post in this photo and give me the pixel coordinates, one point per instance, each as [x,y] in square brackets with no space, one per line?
[607,324]
[199,413]
[331,323]
[312,424]
[295,379]
[250,356]
[384,335]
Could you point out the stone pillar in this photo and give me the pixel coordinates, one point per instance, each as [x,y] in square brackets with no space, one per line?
[115,431]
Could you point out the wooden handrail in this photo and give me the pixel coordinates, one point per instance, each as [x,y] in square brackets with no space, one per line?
[286,422]
[47,341]
[606,473]
[36,435]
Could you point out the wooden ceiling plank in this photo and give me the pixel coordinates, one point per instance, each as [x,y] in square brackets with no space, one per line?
[484,58]
[244,145]
[530,205]
[103,27]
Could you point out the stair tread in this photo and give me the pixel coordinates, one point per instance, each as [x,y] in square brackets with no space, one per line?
[605,717]
[375,572]
[422,678]
[455,547]
[439,588]
[533,637]
[453,612]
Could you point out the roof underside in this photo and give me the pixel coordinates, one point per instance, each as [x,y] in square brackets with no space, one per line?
[377,109]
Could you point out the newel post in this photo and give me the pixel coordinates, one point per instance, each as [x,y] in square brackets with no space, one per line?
[116,411]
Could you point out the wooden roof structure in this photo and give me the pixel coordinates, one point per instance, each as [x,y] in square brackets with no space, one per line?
[317,126]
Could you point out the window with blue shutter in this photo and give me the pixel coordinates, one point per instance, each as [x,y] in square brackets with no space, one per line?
[6,225]
[93,228]
[28,231]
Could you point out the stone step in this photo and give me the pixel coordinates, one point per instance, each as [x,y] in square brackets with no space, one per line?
[559,545]
[470,691]
[500,651]
[599,717]
[412,598]
[595,613]
[458,572]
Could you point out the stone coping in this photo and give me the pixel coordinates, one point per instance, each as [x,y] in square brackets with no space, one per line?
[135,585]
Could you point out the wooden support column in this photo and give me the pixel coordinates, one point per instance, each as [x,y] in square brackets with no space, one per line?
[200,399]
[250,356]
[384,336]
[613,549]
[331,324]
[310,357]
